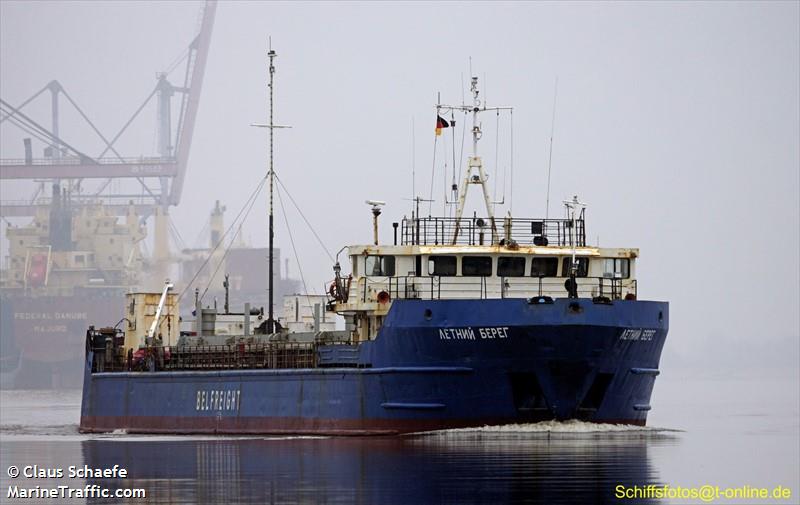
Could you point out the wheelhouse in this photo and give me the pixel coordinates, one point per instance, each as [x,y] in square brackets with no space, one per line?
[462,258]
[531,259]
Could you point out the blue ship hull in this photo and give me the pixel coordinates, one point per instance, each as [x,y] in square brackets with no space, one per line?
[435,364]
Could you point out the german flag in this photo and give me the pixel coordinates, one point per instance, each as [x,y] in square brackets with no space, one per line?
[441,123]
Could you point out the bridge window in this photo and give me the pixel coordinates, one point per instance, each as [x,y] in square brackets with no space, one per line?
[617,268]
[582,270]
[510,266]
[380,266]
[476,266]
[544,267]
[442,265]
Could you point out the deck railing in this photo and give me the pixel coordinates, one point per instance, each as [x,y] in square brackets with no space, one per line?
[443,288]
[260,355]
[241,356]
[478,231]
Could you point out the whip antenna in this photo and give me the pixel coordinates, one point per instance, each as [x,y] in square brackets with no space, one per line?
[550,156]
[413,161]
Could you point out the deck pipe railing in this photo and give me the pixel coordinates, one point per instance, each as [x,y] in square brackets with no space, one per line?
[444,287]
[478,231]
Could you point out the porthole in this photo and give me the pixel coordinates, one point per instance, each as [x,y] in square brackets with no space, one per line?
[428,314]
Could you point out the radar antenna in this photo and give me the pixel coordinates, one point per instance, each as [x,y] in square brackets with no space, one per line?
[573,206]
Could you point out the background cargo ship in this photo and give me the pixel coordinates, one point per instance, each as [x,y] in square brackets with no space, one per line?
[64,268]
[80,241]
[71,266]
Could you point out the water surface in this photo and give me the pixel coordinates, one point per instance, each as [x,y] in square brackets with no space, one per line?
[712,430]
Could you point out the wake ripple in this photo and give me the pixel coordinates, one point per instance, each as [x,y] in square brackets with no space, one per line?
[38,429]
[566,428]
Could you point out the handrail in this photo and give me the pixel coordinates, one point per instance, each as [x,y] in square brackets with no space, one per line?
[442,287]
[476,231]
[261,355]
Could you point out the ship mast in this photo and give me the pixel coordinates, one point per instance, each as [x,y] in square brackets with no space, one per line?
[475,163]
[271,176]
[270,317]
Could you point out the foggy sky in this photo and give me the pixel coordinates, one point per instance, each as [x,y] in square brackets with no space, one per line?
[677,122]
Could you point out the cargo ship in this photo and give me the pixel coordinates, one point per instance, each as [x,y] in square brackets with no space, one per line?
[459,321]
[74,263]
[69,266]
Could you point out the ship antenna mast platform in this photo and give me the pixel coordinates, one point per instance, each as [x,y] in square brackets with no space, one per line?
[475,173]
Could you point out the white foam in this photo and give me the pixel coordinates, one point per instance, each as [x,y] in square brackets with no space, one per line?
[571,427]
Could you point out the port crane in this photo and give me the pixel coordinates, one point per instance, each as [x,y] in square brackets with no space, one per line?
[160,177]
